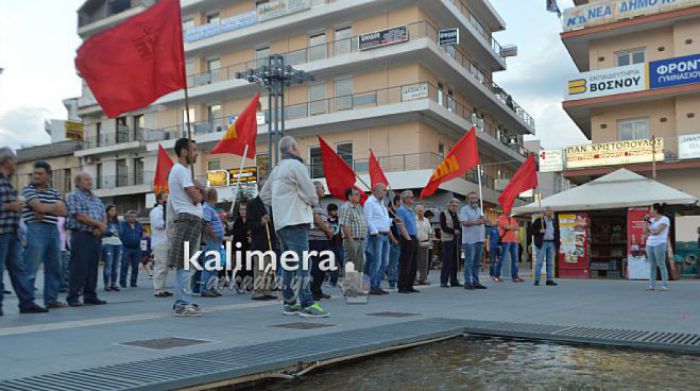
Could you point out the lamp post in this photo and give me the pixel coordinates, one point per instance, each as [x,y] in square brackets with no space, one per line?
[275,76]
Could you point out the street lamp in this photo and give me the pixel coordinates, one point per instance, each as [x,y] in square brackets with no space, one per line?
[275,76]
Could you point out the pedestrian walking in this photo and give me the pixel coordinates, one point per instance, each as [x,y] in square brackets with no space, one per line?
[658,226]
[546,232]
[473,234]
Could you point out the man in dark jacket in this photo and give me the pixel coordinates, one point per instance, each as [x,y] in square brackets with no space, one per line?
[546,233]
[131,233]
[262,239]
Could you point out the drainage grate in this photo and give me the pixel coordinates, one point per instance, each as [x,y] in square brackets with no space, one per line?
[390,314]
[165,343]
[302,325]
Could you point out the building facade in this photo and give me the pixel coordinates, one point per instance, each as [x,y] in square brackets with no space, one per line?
[637,97]
[381,81]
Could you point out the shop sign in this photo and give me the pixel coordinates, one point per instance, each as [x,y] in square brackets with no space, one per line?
[247,175]
[217,178]
[689,146]
[383,38]
[619,80]
[277,8]
[412,92]
[74,130]
[551,160]
[448,37]
[615,153]
[608,11]
[674,71]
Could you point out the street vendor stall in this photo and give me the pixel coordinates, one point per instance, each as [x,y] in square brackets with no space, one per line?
[602,223]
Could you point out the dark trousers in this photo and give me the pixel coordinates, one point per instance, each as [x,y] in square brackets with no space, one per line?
[85,256]
[408,264]
[131,258]
[317,275]
[450,255]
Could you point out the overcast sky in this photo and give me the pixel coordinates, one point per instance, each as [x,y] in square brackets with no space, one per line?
[38,41]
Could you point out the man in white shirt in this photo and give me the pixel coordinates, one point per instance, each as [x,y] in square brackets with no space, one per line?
[378,225]
[159,243]
[185,202]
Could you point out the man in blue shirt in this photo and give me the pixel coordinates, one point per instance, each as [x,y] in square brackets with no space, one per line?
[409,245]
[214,238]
[130,233]
[492,233]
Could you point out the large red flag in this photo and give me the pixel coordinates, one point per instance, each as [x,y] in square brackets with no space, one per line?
[339,176]
[242,132]
[524,179]
[461,158]
[133,64]
[376,175]
[163,166]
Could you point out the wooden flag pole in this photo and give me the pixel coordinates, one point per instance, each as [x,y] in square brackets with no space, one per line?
[238,181]
[481,196]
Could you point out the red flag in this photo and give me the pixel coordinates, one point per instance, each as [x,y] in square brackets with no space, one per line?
[163,166]
[242,132]
[133,64]
[524,179]
[461,158]
[339,176]
[376,175]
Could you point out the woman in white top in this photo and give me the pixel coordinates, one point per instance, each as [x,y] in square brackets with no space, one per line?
[657,228]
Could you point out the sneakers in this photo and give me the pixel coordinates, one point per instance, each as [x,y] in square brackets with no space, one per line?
[187,311]
[291,309]
[313,311]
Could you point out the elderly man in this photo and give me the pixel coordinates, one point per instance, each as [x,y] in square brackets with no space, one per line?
[87,223]
[159,243]
[409,244]
[354,227]
[473,235]
[450,238]
[379,225]
[319,240]
[292,195]
[424,237]
[43,206]
[10,255]
[546,233]
[130,233]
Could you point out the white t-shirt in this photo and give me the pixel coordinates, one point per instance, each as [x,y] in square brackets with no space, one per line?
[179,179]
[655,240]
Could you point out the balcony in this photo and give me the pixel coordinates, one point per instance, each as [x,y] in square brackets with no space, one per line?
[142,178]
[122,136]
[97,15]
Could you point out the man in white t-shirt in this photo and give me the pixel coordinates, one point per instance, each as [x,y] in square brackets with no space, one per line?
[185,204]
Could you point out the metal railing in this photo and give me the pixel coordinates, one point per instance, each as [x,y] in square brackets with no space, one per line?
[125,134]
[479,27]
[124,180]
[111,9]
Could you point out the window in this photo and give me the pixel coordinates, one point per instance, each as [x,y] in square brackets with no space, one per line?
[261,56]
[315,162]
[441,150]
[343,41]
[187,24]
[213,18]
[628,57]
[122,130]
[138,171]
[214,118]
[476,72]
[139,122]
[214,164]
[122,173]
[317,47]
[117,6]
[634,129]
[343,94]
[345,152]
[98,176]
[213,66]
[451,103]
[189,67]
[184,120]
[317,96]
[440,95]
[98,134]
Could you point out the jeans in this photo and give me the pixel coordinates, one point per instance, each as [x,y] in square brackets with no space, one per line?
[11,258]
[43,245]
[378,259]
[338,252]
[546,251]
[183,296]
[508,251]
[657,257]
[208,278]
[472,267]
[112,256]
[392,270]
[130,257]
[295,284]
[494,256]
[450,255]
[85,251]
[317,275]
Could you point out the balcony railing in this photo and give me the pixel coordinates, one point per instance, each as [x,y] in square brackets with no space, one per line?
[124,135]
[495,46]
[109,8]
[124,180]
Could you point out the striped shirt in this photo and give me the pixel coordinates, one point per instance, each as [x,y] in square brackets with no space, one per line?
[47,196]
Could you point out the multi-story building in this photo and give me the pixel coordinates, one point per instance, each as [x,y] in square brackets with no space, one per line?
[638,95]
[381,81]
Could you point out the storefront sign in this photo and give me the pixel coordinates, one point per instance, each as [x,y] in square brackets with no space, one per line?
[247,175]
[614,153]
[383,38]
[551,160]
[262,162]
[448,37]
[620,80]
[416,91]
[608,11]
[689,146]
[674,71]
[74,130]
[278,8]
[217,178]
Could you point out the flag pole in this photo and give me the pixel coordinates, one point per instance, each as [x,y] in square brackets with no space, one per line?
[189,129]
[481,196]
[238,181]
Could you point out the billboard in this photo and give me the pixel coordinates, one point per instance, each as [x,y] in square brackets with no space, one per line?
[278,8]
[674,71]
[689,146]
[383,38]
[612,81]
[551,160]
[607,11]
[615,153]
[74,130]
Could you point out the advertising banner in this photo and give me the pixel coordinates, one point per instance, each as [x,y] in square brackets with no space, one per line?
[637,264]
[74,130]
[248,175]
[551,160]
[615,153]
[200,32]
[217,178]
[674,71]
[416,91]
[608,11]
[573,230]
[689,146]
[278,8]
[448,37]
[612,81]
[239,21]
[383,38]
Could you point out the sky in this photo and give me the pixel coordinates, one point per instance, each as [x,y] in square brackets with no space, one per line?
[37,51]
